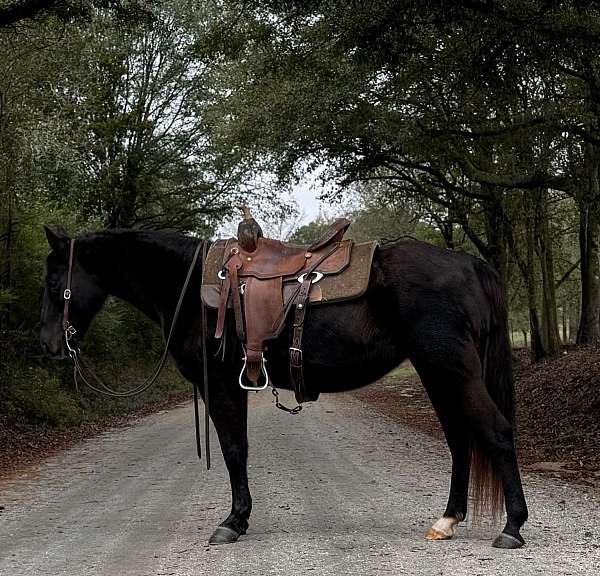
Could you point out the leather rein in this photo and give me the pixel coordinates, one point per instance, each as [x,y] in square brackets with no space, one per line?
[84,373]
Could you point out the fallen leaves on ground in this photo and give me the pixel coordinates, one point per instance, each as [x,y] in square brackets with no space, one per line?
[558,411]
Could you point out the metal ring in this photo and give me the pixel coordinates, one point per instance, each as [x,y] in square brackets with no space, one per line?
[67,294]
[72,350]
[242,288]
[318,276]
[221,275]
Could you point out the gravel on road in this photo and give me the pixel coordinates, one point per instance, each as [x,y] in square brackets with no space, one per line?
[339,489]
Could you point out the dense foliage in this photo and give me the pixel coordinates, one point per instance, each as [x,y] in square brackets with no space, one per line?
[103,124]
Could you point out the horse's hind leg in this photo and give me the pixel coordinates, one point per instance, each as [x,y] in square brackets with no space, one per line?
[467,411]
[447,409]
[229,413]
[494,436]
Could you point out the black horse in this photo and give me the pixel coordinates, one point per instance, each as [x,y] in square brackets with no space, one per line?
[442,310]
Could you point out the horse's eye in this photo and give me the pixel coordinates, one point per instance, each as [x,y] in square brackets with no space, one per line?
[53,285]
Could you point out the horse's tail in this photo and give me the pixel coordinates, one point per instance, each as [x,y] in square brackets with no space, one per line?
[496,358]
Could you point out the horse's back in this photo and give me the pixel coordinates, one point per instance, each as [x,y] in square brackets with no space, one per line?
[436,291]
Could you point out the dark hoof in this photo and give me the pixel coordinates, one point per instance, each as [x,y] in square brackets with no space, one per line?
[223,535]
[507,541]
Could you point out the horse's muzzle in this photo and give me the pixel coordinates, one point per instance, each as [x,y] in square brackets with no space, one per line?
[53,347]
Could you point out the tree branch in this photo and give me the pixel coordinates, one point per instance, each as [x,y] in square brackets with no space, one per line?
[23,10]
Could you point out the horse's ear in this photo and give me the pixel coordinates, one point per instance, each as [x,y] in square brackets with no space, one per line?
[59,241]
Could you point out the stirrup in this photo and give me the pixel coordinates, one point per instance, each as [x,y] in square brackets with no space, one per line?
[263,369]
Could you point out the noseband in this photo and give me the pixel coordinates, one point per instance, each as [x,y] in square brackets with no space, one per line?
[84,373]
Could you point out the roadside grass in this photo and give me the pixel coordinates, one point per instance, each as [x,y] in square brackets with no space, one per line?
[398,374]
[122,347]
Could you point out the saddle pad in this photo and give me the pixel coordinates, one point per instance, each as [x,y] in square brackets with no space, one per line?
[351,282]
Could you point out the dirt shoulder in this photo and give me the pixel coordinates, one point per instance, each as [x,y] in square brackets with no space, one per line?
[26,444]
[558,412]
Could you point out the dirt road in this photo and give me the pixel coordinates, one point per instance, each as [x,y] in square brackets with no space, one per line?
[338,490]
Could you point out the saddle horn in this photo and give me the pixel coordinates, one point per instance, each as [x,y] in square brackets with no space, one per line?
[249,231]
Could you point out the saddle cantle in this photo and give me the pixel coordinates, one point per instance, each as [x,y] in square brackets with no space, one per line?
[263,285]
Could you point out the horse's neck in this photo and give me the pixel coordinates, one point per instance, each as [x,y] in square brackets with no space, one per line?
[145,271]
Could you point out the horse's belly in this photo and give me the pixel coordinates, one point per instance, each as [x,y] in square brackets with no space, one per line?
[344,347]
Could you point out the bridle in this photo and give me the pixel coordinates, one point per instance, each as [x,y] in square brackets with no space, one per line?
[83,373]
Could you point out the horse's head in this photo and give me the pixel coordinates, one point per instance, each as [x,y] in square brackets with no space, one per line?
[87,295]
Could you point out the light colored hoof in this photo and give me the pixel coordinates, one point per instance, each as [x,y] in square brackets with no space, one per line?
[437,535]
[443,529]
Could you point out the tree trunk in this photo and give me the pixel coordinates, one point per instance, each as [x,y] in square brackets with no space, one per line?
[123,214]
[565,315]
[526,265]
[546,257]
[495,232]
[589,229]
[573,320]
[6,214]
[447,230]
[537,347]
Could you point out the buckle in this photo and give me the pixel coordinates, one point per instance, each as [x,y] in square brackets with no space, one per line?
[67,294]
[69,333]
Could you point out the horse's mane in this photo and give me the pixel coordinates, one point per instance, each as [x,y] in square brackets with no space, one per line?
[167,239]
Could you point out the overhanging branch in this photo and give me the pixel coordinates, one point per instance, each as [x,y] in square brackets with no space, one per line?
[23,10]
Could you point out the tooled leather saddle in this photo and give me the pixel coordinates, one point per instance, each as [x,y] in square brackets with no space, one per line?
[264,279]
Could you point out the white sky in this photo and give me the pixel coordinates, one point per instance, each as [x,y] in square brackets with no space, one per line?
[307,197]
[307,192]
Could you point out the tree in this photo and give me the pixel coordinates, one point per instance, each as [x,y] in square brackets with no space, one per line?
[465,104]
[16,11]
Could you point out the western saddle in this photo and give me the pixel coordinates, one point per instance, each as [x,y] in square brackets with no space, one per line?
[263,279]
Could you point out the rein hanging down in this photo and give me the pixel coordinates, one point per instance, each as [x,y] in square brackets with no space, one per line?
[81,371]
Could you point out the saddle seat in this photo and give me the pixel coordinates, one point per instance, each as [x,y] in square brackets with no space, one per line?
[273,259]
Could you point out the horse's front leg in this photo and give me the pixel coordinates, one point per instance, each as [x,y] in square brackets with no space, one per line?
[229,413]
